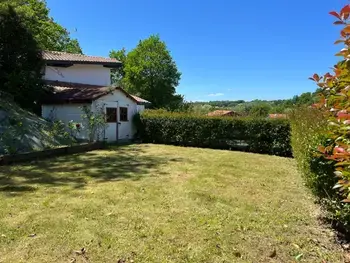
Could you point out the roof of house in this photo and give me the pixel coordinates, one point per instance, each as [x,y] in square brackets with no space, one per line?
[140,100]
[277,116]
[57,58]
[67,92]
[222,113]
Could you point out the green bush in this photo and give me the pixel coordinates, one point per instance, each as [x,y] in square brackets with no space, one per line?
[309,131]
[254,135]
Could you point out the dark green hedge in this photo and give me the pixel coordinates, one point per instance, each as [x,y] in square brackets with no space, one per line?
[253,135]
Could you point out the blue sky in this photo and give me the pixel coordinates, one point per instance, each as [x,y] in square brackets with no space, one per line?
[225,49]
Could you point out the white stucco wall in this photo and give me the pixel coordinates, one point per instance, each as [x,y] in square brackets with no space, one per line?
[118,99]
[140,108]
[65,113]
[86,74]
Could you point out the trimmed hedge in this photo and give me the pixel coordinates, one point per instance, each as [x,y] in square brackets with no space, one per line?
[309,131]
[253,135]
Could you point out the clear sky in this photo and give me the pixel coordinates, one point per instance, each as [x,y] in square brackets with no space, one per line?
[225,49]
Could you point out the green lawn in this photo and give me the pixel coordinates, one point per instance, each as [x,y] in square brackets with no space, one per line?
[155,203]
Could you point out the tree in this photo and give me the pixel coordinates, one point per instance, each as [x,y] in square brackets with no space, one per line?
[20,60]
[260,110]
[150,72]
[48,34]
[118,74]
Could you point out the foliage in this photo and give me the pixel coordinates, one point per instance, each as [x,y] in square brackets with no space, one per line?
[58,129]
[49,34]
[259,110]
[255,135]
[321,143]
[308,127]
[12,136]
[74,128]
[335,102]
[20,61]
[150,72]
[118,74]
[245,107]
[94,121]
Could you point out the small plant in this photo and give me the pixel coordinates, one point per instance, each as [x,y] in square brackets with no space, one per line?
[74,128]
[94,122]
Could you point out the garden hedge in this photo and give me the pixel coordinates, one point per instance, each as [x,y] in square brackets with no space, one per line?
[309,132]
[253,135]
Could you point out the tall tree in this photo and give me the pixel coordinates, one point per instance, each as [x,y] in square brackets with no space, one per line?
[118,74]
[150,72]
[20,60]
[48,34]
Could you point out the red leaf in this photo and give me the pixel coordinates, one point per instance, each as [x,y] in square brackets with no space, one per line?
[339,23]
[345,10]
[333,13]
[316,77]
[328,75]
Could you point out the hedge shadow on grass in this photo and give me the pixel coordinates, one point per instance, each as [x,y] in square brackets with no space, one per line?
[117,163]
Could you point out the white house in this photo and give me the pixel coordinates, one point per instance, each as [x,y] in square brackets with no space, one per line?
[80,80]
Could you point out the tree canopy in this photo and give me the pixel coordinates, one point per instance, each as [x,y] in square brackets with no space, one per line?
[118,74]
[48,34]
[149,71]
[20,60]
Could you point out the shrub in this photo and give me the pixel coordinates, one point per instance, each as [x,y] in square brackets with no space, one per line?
[309,131]
[254,135]
[308,128]
[335,105]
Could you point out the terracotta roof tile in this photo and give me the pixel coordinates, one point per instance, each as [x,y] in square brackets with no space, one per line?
[277,116]
[66,92]
[222,113]
[55,56]
[140,100]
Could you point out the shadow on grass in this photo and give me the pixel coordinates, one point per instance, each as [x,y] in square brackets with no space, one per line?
[116,163]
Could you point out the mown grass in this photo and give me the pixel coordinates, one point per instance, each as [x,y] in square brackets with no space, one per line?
[156,203]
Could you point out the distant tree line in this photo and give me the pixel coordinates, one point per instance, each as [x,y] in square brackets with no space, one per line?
[255,107]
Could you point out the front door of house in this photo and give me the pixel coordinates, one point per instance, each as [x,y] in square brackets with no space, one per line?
[111,111]
[125,122]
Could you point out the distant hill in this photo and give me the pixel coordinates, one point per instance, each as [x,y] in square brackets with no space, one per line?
[245,107]
[23,131]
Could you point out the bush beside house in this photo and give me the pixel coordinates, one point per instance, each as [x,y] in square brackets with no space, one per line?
[254,135]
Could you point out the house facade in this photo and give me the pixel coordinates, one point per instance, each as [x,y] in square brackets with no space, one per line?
[79,80]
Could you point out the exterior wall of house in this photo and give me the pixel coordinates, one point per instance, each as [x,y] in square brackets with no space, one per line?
[126,129]
[65,113]
[86,74]
[140,108]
